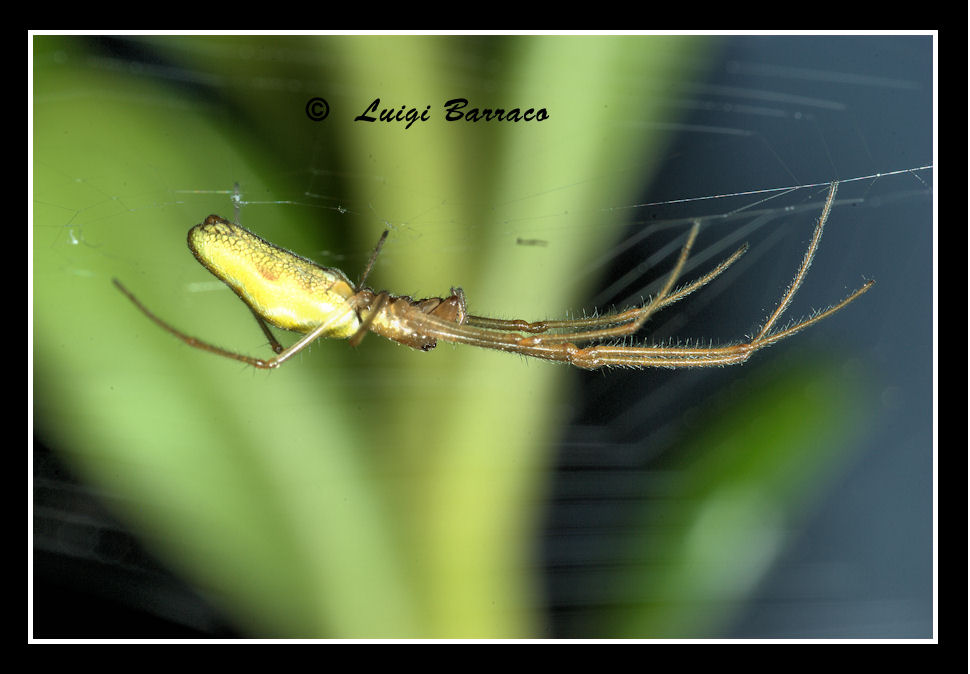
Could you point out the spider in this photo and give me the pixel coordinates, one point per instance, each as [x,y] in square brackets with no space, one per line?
[290,292]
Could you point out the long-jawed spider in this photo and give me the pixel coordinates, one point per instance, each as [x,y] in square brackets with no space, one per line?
[290,292]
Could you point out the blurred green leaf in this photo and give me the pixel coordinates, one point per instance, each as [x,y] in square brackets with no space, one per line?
[374,492]
[742,481]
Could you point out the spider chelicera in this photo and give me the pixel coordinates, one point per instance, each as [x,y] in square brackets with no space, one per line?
[290,292]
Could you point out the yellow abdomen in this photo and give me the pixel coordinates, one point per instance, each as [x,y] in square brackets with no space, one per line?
[286,290]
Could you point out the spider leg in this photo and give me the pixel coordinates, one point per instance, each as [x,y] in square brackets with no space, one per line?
[188,339]
[641,314]
[560,347]
[373,258]
[603,355]
[589,358]
[518,325]
[377,307]
[803,269]
[705,279]
[197,343]
[273,342]
[667,299]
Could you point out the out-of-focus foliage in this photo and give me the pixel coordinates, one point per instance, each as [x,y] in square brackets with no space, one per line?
[367,493]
